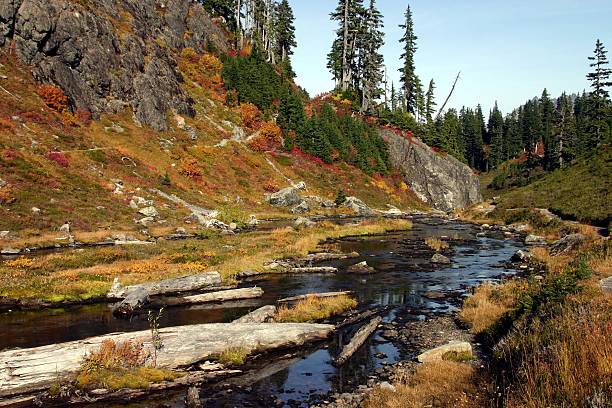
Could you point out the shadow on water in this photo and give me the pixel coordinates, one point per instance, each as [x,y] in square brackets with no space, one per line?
[404,283]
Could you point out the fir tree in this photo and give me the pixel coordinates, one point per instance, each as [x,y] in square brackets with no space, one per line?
[430,102]
[372,74]
[284,30]
[551,148]
[565,129]
[495,129]
[449,132]
[420,101]
[348,15]
[408,72]
[599,98]
[512,136]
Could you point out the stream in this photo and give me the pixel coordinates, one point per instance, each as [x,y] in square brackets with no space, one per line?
[406,282]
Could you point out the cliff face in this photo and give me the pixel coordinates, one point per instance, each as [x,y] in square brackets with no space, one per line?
[440,180]
[109,54]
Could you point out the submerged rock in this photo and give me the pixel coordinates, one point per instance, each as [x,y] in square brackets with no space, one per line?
[361,267]
[440,259]
[521,256]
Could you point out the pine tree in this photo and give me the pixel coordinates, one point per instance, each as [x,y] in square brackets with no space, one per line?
[285,30]
[348,15]
[449,134]
[420,101]
[393,101]
[599,98]
[372,74]
[430,102]
[551,145]
[512,136]
[495,130]
[408,72]
[565,129]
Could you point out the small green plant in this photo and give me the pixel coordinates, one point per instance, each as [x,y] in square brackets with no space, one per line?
[156,339]
[234,356]
[340,198]
[459,357]
[165,180]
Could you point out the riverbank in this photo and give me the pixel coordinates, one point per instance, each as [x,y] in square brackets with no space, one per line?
[85,276]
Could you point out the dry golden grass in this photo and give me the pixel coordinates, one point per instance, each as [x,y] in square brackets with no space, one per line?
[436,244]
[439,384]
[116,366]
[555,264]
[313,309]
[575,369]
[490,302]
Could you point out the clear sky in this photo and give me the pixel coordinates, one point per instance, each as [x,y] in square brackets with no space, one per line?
[507,51]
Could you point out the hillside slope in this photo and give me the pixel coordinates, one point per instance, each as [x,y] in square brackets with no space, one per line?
[581,191]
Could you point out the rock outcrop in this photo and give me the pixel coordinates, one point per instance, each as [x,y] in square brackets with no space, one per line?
[440,180]
[110,54]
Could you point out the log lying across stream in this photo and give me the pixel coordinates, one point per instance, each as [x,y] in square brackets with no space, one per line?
[222,296]
[24,371]
[357,341]
[208,280]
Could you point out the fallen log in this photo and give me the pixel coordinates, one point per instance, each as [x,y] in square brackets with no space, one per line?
[361,316]
[314,295]
[124,395]
[357,341]
[25,371]
[262,315]
[212,297]
[313,269]
[327,256]
[169,286]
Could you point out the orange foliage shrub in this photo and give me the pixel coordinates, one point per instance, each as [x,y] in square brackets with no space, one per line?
[53,97]
[189,168]
[211,63]
[250,115]
[269,138]
[7,124]
[270,187]
[190,55]
[6,195]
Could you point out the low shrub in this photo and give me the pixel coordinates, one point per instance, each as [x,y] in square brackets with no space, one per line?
[53,97]
[234,356]
[58,158]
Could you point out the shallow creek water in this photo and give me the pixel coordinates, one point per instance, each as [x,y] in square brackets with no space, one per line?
[404,280]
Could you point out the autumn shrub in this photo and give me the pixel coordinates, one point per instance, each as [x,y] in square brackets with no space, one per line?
[436,244]
[53,97]
[269,138]
[117,366]
[58,158]
[234,356]
[190,55]
[6,195]
[270,187]
[250,115]
[189,168]
[7,124]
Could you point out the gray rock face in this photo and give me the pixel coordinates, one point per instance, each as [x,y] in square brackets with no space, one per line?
[358,206]
[301,208]
[441,181]
[567,244]
[103,67]
[286,197]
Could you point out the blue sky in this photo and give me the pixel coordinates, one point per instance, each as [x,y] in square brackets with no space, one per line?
[507,51]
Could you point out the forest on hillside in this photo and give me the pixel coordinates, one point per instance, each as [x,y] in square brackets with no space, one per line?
[550,132]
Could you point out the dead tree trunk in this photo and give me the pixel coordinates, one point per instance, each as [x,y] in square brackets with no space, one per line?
[357,341]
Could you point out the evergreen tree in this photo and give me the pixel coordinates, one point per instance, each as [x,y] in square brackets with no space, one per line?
[430,102]
[449,132]
[551,145]
[531,126]
[420,101]
[565,130]
[394,98]
[348,15]
[408,72]
[512,136]
[495,130]
[372,74]
[284,30]
[599,98]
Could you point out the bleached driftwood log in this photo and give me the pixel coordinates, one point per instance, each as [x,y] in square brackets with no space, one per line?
[357,341]
[327,256]
[211,297]
[25,371]
[314,295]
[169,286]
[261,315]
[313,269]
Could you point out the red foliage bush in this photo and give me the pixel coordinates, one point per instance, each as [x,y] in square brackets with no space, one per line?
[83,116]
[298,152]
[33,117]
[59,158]
[189,168]
[232,53]
[10,154]
[7,124]
[53,97]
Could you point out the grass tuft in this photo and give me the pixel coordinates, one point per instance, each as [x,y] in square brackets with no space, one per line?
[234,356]
[313,309]
[436,244]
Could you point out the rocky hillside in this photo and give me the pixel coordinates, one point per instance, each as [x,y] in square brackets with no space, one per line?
[113,116]
[107,55]
[440,180]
